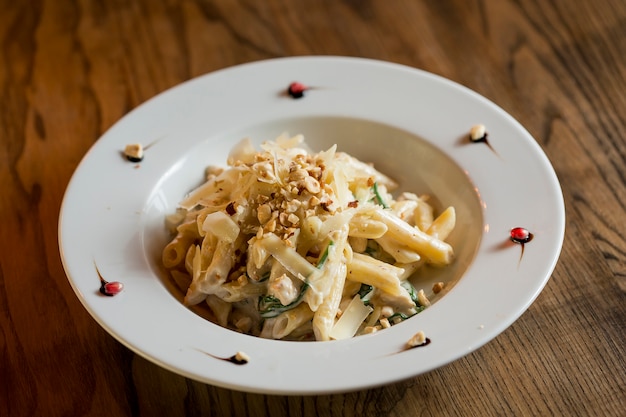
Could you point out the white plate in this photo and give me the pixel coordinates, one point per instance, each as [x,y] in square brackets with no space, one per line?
[413,125]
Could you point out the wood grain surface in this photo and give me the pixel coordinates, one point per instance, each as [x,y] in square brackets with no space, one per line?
[69,69]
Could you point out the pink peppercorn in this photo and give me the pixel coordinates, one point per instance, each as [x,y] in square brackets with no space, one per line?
[111,288]
[521,235]
[296,89]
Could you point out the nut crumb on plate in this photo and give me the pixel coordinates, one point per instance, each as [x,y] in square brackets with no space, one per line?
[478,132]
[418,339]
[437,287]
[134,152]
[241,357]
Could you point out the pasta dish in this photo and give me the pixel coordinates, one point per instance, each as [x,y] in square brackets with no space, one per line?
[286,243]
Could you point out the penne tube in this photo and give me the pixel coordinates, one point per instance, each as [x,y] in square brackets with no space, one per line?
[190,228]
[443,225]
[220,308]
[365,227]
[235,291]
[174,252]
[405,210]
[400,252]
[194,295]
[181,279]
[321,281]
[434,250]
[423,215]
[290,320]
[286,255]
[324,318]
[358,244]
[370,271]
[209,281]
[409,269]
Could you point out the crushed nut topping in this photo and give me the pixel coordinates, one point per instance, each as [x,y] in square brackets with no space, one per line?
[478,132]
[134,152]
[240,358]
[437,287]
[423,300]
[418,339]
[303,195]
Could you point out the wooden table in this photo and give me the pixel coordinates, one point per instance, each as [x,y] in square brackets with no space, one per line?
[70,69]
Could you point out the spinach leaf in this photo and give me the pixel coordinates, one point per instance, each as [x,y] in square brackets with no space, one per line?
[270,306]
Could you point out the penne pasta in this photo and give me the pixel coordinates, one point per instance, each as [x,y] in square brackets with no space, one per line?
[289,244]
[434,250]
[400,252]
[443,225]
[368,228]
[176,250]
[335,271]
[290,320]
[378,274]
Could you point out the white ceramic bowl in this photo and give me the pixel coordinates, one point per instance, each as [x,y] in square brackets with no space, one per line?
[413,125]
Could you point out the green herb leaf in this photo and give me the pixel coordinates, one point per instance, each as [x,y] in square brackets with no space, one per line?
[270,306]
[364,290]
[365,293]
[403,316]
[411,290]
[379,198]
[324,257]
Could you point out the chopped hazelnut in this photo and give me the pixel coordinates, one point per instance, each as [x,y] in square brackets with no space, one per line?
[312,185]
[134,152]
[313,202]
[293,219]
[241,358]
[423,300]
[283,218]
[270,226]
[316,172]
[264,213]
[418,339]
[370,329]
[478,132]
[262,198]
[292,206]
[298,174]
